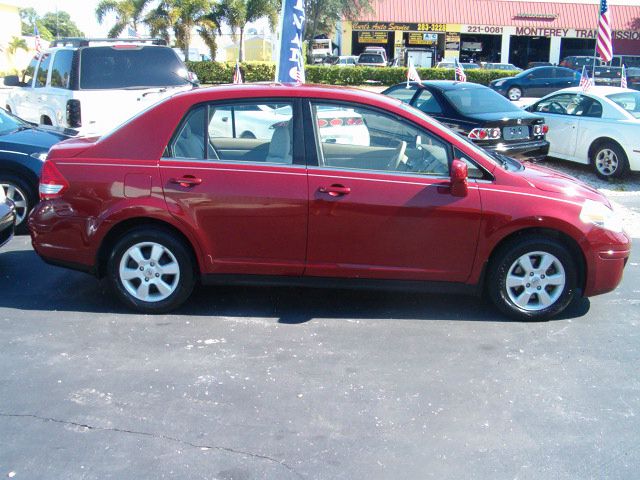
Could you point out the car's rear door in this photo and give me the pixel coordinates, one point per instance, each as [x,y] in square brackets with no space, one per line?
[245,195]
[383,209]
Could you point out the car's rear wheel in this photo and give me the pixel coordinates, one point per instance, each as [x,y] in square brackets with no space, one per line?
[532,278]
[514,93]
[609,160]
[22,196]
[151,270]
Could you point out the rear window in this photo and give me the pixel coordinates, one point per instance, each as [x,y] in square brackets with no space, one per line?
[113,67]
[630,101]
[371,58]
[479,100]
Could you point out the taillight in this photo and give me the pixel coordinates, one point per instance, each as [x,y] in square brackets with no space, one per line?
[541,129]
[354,121]
[335,122]
[322,123]
[74,113]
[52,183]
[484,134]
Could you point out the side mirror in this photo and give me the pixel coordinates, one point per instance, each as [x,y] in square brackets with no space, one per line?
[11,81]
[459,175]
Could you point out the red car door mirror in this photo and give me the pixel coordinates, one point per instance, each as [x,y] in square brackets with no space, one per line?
[459,175]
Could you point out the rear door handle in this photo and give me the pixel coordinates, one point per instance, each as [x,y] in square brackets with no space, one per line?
[186,181]
[335,190]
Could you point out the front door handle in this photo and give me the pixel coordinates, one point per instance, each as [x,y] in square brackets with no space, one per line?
[187,181]
[335,190]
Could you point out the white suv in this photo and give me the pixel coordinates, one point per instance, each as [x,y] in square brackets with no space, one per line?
[93,86]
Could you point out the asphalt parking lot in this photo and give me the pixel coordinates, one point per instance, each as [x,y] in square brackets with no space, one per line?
[250,383]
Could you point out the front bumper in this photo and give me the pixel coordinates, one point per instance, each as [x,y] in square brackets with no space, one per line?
[7,222]
[606,263]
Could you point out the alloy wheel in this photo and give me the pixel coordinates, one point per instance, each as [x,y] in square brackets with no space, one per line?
[606,162]
[535,281]
[149,271]
[19,199]
[514,93]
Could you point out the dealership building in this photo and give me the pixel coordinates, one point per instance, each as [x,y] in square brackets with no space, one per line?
[509,31]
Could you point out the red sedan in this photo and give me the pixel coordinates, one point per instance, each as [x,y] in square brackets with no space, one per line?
[318,186]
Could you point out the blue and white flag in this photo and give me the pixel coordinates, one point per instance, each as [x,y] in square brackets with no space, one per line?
[290,66]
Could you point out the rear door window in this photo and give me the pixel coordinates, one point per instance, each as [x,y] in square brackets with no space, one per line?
[43,71]
[129,67]
[428,103]
[29,72]
[61,70]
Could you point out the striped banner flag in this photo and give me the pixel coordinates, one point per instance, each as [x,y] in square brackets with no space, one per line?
[460,75]
[237,74]
[36,33]
[585,81]
[623,78]
[603,43]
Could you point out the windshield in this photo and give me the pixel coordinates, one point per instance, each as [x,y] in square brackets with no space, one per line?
[630,101]
[9,123]
[474,100]
[139,67]
[371,58]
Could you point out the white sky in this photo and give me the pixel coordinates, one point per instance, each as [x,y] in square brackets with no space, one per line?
[82,13]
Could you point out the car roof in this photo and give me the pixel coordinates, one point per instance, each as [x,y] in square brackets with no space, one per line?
[446,85]
[596,90]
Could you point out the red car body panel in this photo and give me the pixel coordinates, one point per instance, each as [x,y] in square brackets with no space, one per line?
[275,220]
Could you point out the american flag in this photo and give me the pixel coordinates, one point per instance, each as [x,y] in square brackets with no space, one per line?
[36,34]
[623,78]
[237,74]
[604,45]
[585,82]
[460,75]
[412,73]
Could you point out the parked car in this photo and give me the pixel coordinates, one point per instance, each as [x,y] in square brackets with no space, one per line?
[23,148]
[347,61]
[371,60]
[418,207]
[94,85]
[576,62]
[478,113]
[633,78]
[501,66]
[538,64]
[7,219]
[536,82]
[450,64]
[378,50]
[599,127]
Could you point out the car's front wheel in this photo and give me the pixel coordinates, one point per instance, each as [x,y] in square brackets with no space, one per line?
[514,93]
[532,278]
[23,197]
[151,270]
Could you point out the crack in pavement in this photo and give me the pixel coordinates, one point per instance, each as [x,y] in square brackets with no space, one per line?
[153,435]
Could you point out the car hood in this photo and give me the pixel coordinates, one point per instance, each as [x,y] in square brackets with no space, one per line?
[32,139]
[549,180]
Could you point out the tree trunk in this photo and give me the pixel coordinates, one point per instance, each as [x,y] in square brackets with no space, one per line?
[241,46]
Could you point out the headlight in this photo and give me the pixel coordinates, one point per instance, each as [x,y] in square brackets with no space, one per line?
[42,156]
[601,216]
[498,83]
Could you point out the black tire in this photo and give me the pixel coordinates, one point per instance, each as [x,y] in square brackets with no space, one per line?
[609,160]
[171,242]
[22,190]
[504,259]
[514,93]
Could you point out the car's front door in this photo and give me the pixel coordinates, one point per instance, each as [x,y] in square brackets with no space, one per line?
[240,182]
[383,209]
[538,82]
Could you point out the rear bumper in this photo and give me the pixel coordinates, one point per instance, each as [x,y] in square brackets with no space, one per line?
[7,222]
[536,149]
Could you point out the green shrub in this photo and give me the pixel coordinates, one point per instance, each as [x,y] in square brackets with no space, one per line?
[218,72]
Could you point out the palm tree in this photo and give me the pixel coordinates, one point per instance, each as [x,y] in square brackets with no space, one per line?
[237,13]
[17,44]
[181,17]
[128,14]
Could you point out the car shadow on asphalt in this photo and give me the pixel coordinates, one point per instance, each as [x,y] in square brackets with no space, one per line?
[27,283]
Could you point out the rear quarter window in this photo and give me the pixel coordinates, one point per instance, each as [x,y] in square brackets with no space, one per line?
[140,67]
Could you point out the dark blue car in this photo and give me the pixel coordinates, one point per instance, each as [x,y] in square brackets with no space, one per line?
[536,82]
[23,148]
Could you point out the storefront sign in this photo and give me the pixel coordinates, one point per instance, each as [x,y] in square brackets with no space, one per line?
[488,29]
[546,32]
[422,38]
[403,27]
[452,41]
[373,37]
